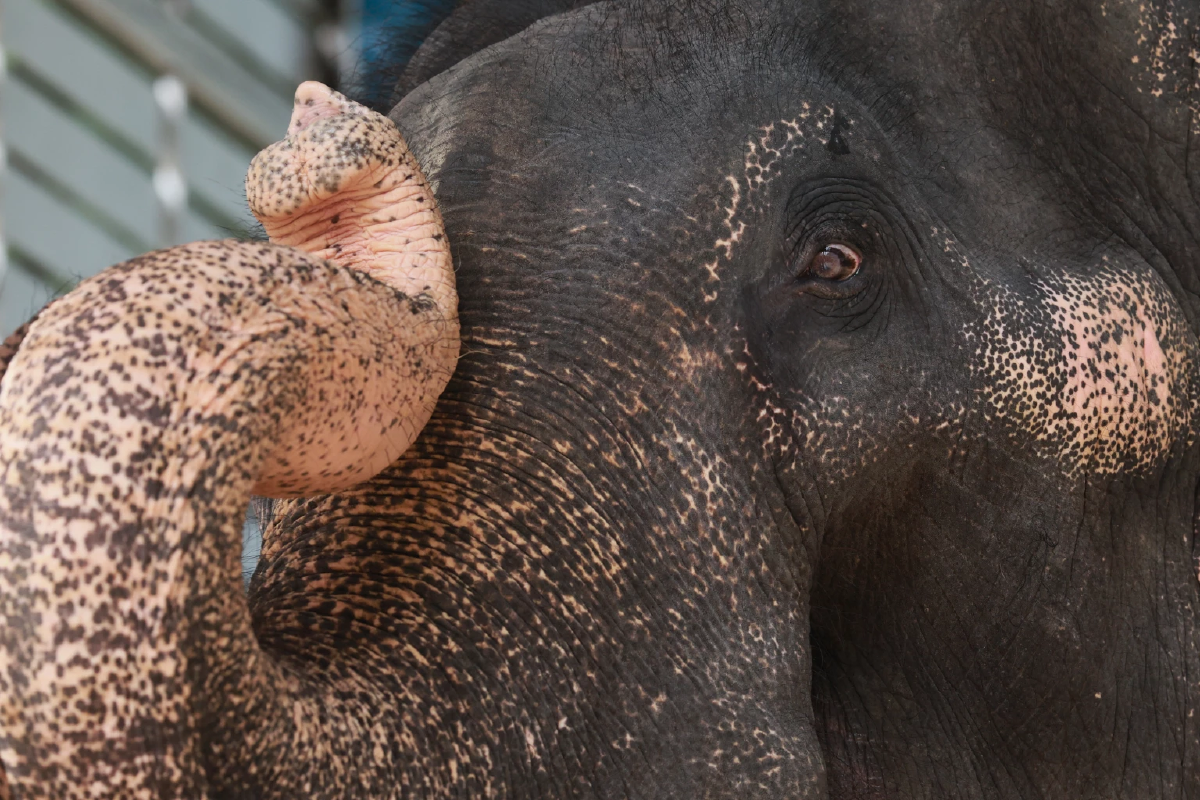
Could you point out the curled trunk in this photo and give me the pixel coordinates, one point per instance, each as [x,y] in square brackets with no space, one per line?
[138,413]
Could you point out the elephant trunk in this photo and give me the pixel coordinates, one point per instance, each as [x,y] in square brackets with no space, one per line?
[136,417]
[344,187]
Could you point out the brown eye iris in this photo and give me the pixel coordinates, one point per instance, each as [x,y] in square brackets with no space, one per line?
[836,262]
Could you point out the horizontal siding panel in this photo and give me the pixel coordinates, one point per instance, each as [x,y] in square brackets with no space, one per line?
[74,157]
[215,166]
[21,295]
[306,9]
[241,101]
[79,112]
[115,91]
[263,30]
[197,229]
[53,233]
[84,68]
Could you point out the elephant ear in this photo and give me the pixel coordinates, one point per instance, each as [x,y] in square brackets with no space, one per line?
[473,26]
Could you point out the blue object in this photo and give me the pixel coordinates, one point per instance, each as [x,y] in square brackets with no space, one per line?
[392,30]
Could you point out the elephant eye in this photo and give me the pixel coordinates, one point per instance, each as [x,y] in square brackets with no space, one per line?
[836,262]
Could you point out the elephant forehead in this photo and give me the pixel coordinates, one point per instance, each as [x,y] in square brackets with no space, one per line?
[764,152]
[1099,369]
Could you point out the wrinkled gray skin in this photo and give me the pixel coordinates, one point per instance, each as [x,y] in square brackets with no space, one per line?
[696,518]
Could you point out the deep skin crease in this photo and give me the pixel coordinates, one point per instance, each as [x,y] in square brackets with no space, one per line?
[688,522]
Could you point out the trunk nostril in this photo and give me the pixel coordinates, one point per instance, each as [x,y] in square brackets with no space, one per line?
[316,101]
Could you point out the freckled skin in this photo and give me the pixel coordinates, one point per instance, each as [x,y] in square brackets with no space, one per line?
[166,388]
[1106,384]
[344,187]
[688,521]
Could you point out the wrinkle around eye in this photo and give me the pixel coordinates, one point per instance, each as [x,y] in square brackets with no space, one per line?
[878,305]
[857,311]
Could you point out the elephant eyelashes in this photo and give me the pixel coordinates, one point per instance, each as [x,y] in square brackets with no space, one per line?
[837,262]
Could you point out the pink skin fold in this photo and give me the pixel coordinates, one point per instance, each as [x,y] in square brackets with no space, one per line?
[343,187]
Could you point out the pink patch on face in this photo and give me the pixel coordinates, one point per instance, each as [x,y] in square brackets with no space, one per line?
[1116,395]
[1112,376]
[1119,383]
[1155,361]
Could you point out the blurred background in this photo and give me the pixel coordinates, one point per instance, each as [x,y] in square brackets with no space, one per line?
[127,125]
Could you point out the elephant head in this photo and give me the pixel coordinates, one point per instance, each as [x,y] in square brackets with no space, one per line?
[823,427]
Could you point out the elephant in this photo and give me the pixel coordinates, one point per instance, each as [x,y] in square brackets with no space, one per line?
[823,427]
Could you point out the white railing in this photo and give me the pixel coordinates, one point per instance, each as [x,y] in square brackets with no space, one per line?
[129,125]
